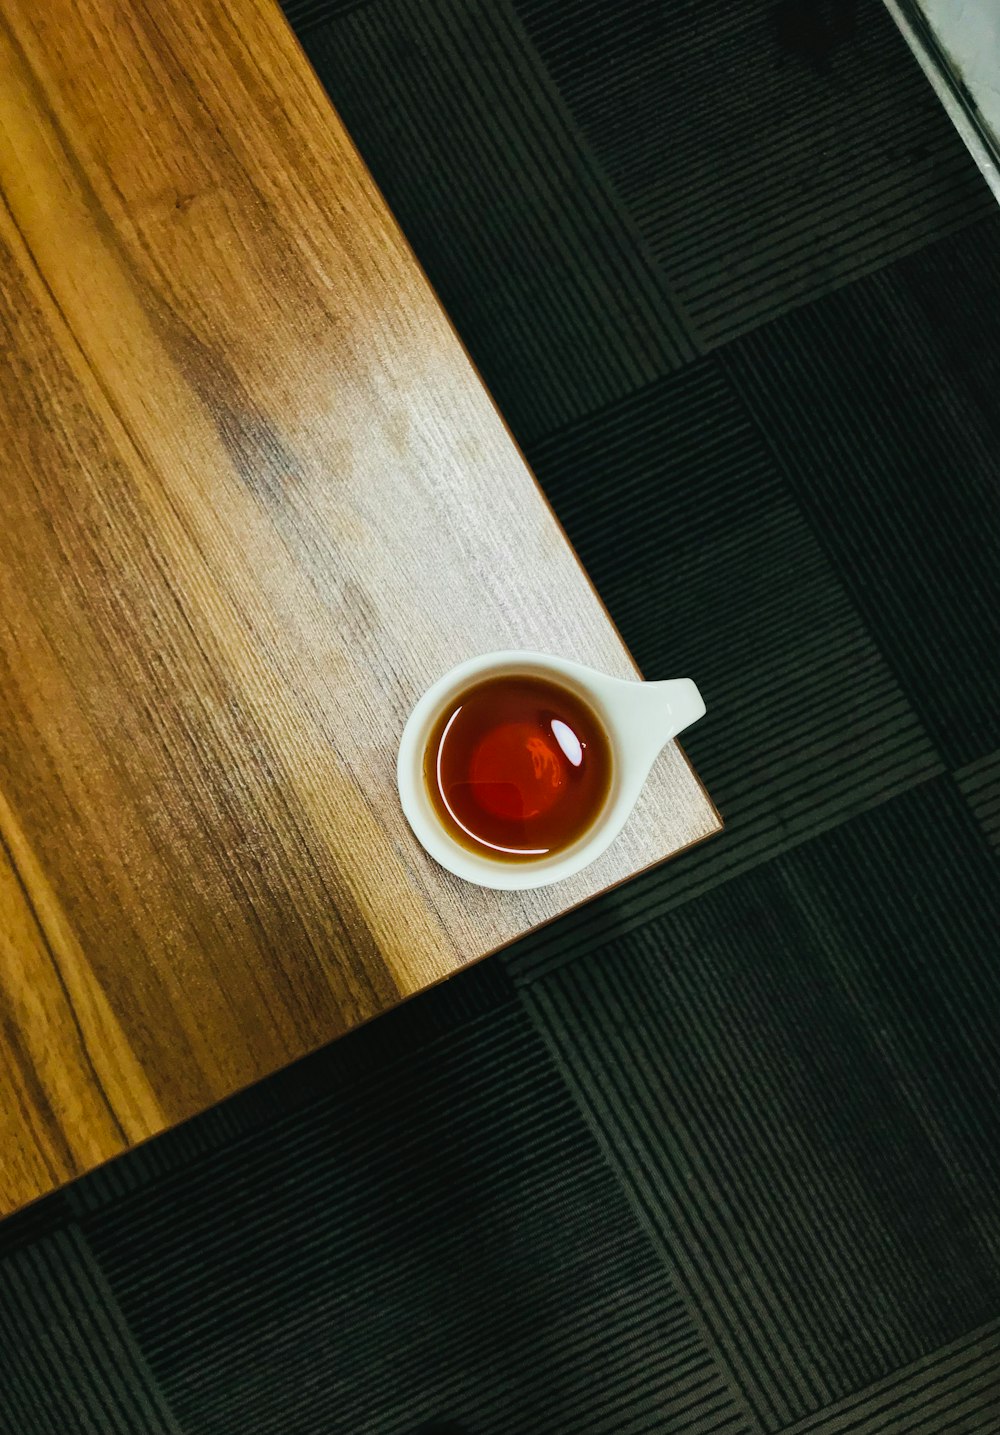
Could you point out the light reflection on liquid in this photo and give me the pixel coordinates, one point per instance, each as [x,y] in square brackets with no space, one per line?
[567,739]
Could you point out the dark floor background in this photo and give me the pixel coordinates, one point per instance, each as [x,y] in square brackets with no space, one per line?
[721,1153]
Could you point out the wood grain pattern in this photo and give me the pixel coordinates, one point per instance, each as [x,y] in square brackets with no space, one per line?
[254,500]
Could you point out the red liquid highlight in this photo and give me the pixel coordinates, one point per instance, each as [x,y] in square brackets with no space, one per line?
[517,767]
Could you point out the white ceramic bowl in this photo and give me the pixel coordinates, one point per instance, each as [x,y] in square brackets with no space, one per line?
[639,719]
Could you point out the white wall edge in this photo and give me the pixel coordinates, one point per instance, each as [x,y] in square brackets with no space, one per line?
[957,111]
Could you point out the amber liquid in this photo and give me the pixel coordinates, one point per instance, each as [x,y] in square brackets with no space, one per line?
[517,767]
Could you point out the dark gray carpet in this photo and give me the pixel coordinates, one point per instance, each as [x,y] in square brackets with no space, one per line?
[719,1154]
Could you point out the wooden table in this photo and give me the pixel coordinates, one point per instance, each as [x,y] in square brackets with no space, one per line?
[254,499]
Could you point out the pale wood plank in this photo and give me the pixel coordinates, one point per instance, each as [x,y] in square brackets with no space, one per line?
[255,500]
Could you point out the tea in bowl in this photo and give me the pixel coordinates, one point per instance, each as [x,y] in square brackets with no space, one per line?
[517,769]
